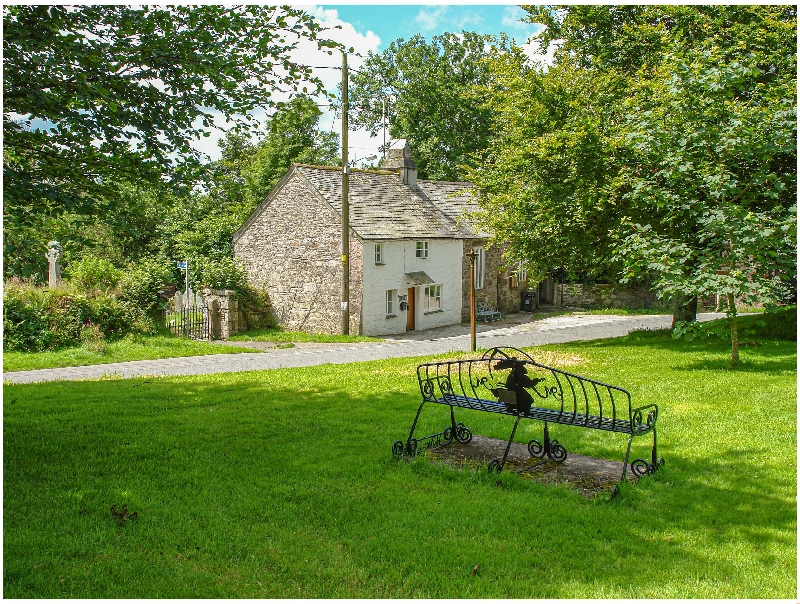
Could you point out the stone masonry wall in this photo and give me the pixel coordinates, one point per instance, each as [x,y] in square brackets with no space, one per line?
[496,289]
[604,296]
[292,249]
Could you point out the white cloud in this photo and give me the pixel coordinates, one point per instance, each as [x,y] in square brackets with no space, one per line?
[512,16]
[429,17]
[328,69]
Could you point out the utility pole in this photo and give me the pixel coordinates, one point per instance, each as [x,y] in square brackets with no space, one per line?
[345,207]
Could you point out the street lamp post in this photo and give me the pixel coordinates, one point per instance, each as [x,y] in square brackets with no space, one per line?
[471,257]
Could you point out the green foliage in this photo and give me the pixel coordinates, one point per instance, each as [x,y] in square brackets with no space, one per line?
[224,273]
[37,318]
[91,273]
[546,176]
[431,96]
[98,95]
[661,145]
[293,137]
[139,285]
[255,306]
[781,324]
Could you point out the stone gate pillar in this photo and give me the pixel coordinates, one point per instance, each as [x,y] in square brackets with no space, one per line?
[222,307]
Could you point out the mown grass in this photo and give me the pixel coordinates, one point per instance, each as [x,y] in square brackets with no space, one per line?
[129,348]
[276,334]
[281,484]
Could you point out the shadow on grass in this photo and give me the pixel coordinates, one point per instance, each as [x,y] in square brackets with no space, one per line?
[763,356]
[296,464]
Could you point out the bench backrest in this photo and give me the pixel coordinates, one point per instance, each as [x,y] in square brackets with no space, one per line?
[511,377]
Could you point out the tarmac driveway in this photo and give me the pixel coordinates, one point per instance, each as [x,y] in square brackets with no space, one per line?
[518,330]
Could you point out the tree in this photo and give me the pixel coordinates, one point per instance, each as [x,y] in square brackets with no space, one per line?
[546,177]
[714,164]
[201,228]
[428,93]
[617,145]
[293,136]
[95,95]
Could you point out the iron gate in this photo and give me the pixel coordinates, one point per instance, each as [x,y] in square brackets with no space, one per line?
[190,319]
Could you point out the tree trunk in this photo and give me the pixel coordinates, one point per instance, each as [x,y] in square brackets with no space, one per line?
[734,331]
[685,309]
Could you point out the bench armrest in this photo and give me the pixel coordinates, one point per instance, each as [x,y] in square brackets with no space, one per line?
[642,423]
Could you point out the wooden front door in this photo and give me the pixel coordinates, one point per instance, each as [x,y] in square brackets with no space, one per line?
[412,306]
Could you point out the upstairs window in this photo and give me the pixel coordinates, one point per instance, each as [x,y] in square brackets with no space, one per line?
[378,253]
[422,249]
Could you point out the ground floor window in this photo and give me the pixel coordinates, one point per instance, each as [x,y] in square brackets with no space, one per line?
[433,297]
[391,294]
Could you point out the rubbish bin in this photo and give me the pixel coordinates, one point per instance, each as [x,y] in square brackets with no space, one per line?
[529,301]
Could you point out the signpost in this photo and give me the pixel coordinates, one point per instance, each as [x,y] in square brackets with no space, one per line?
[185,266]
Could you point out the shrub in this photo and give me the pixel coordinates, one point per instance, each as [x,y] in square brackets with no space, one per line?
[93,274]
[92,339]
[222,273]
[139,286]
[38,318]
[255,305]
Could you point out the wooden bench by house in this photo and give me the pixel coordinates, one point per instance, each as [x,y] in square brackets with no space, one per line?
[507,381]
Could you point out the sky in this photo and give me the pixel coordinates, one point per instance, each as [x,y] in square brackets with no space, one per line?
[372,27]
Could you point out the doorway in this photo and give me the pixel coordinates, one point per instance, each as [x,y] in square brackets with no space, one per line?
[411,315]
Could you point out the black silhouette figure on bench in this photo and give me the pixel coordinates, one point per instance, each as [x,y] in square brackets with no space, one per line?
[514,395]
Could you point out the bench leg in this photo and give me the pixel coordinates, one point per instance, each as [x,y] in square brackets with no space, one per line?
[551,448]
[640,467]
[496,465]
[411,443]
[457,430]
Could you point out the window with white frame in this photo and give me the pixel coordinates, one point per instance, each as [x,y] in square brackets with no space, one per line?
[480,267]
[378,253]
[522,274]
[391,294]
[433,297]
[422,249]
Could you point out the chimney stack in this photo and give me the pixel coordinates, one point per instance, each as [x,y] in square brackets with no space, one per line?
[399,158]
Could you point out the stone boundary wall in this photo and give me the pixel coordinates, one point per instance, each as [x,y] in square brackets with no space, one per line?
[603,296]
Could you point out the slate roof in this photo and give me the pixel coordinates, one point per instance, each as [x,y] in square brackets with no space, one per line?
[382,207]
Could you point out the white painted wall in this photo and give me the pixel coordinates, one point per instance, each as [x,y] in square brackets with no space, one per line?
[443,265]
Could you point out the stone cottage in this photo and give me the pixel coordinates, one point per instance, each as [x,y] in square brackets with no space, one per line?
[408,240]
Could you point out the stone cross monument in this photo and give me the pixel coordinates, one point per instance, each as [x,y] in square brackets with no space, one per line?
[53,255]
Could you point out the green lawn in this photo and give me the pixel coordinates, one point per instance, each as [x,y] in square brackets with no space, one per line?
[281,484]
[129,348]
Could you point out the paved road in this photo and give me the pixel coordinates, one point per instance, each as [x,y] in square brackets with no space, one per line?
[517,330]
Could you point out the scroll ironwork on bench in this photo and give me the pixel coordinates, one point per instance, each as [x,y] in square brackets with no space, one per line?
[507,381]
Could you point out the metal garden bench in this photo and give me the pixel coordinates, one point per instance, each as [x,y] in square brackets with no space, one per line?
[487,312]
[509,382]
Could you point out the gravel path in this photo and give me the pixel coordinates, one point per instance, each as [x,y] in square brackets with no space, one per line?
[517,330]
